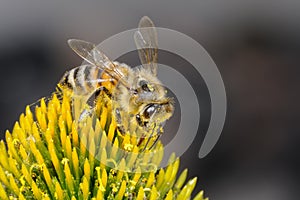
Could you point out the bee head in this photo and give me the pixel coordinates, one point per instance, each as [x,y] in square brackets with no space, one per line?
[149,99]
[145,103]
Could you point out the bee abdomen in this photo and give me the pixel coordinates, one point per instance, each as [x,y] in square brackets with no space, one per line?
[82,80]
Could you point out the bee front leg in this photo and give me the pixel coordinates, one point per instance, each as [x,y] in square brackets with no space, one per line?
[119,121]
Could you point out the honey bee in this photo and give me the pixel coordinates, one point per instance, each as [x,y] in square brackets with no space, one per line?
[137,95]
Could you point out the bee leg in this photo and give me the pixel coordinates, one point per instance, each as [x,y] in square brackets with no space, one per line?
[147,143]
[156,140]
[37,103]
[104,89]
[118,116]
[121,129]
[85,113]
[119,121]
[140,142]
[149,138]
[95,95]
[59,93]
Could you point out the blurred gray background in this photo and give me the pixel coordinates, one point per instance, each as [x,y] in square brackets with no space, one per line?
[254,43]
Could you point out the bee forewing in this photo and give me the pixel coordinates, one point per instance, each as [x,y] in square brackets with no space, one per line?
[83,49]
[146,42]
[89,52]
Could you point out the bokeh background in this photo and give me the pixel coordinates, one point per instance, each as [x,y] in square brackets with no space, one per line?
[255,45]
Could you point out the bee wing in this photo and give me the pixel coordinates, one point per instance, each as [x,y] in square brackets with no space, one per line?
[89,52]
[146,41]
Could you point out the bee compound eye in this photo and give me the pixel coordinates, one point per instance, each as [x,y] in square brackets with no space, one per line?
[150,110]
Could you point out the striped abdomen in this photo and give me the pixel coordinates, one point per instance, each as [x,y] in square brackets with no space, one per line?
[86,79]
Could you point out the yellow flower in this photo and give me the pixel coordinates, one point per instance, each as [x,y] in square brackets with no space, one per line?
[49,155]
